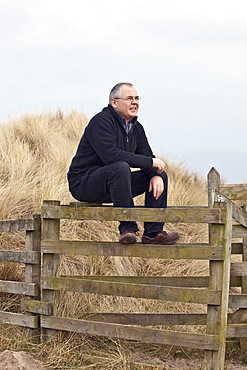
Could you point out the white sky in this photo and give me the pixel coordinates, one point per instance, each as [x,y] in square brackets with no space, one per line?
[187,59]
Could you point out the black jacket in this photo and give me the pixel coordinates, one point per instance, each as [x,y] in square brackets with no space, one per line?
[105,141]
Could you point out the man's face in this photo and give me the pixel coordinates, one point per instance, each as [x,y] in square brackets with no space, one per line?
[128,108]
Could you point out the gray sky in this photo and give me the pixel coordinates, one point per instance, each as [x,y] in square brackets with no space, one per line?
[187,59]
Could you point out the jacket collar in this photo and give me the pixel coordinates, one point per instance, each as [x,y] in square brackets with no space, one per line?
[118,115]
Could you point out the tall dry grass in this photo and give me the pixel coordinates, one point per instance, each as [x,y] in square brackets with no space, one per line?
[35,153]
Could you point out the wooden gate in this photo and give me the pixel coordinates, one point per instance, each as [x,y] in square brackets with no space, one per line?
[227,219]
[236,195]
[211,291]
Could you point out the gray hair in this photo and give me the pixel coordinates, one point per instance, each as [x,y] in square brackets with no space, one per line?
[115,90]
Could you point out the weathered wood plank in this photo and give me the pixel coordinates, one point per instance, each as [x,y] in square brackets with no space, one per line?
[219,280]
[19,319]
[238,317]
[179,281]
[243,340]
[33,244]
[213,179]
[148,318]
[239,268]
[236,330]
[175,251]
[238,213]
[51,231]
[239,231]
[35,306]
[19,256]
[15,287]
[188,215]
[234,191]
[133,290]
[33,271]
[202,341]
[86,204]
[17,225]
[244,259]
[238,301]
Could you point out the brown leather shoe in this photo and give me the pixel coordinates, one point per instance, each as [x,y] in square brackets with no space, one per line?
[128,237]
[161,238]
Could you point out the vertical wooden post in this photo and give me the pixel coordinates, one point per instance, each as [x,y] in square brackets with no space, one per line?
[219,279]
[243,340]
[244,258]
[213,185]
[33,271]
[51,231]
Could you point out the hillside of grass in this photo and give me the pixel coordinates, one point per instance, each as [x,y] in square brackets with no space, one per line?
[35,153]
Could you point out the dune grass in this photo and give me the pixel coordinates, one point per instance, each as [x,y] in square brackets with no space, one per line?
[35,153]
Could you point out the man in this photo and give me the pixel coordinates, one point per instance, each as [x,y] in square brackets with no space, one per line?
[100,172]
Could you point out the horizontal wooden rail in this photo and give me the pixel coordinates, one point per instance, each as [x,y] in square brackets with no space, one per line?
[187,215]
[238,213]
[236,330]
[175,251]
[148,319]
[239,268]
[192,295]
[198,250]
[159,336]
[19,256]
[36,306]
[26,224]
[237,301]
[239,231]
[179,281]
[16,287]
[238,317]
[19,319]
[234,191]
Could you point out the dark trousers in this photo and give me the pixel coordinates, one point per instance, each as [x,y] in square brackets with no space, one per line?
[115,183]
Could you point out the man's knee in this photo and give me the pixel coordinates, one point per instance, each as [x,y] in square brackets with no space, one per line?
[122,167]
[164,177]
[121,173]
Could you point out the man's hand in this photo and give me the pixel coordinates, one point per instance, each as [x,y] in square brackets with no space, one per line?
[157,186]
[159,164]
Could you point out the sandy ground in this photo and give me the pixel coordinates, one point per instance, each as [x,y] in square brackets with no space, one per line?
[186,363]
[196,365]
[24,361]
[19,361]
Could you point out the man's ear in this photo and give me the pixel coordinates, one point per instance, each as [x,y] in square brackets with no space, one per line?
[114,103]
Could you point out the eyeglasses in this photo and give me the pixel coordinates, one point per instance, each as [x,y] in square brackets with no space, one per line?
[130,98]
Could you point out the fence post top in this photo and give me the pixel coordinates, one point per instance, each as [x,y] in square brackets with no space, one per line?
[213,171]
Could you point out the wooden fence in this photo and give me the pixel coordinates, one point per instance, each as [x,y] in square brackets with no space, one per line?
[31,257]
[226,220]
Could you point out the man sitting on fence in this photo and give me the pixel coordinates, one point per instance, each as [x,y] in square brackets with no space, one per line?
[100,172]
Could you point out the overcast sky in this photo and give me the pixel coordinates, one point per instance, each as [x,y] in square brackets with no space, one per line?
[187,59]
